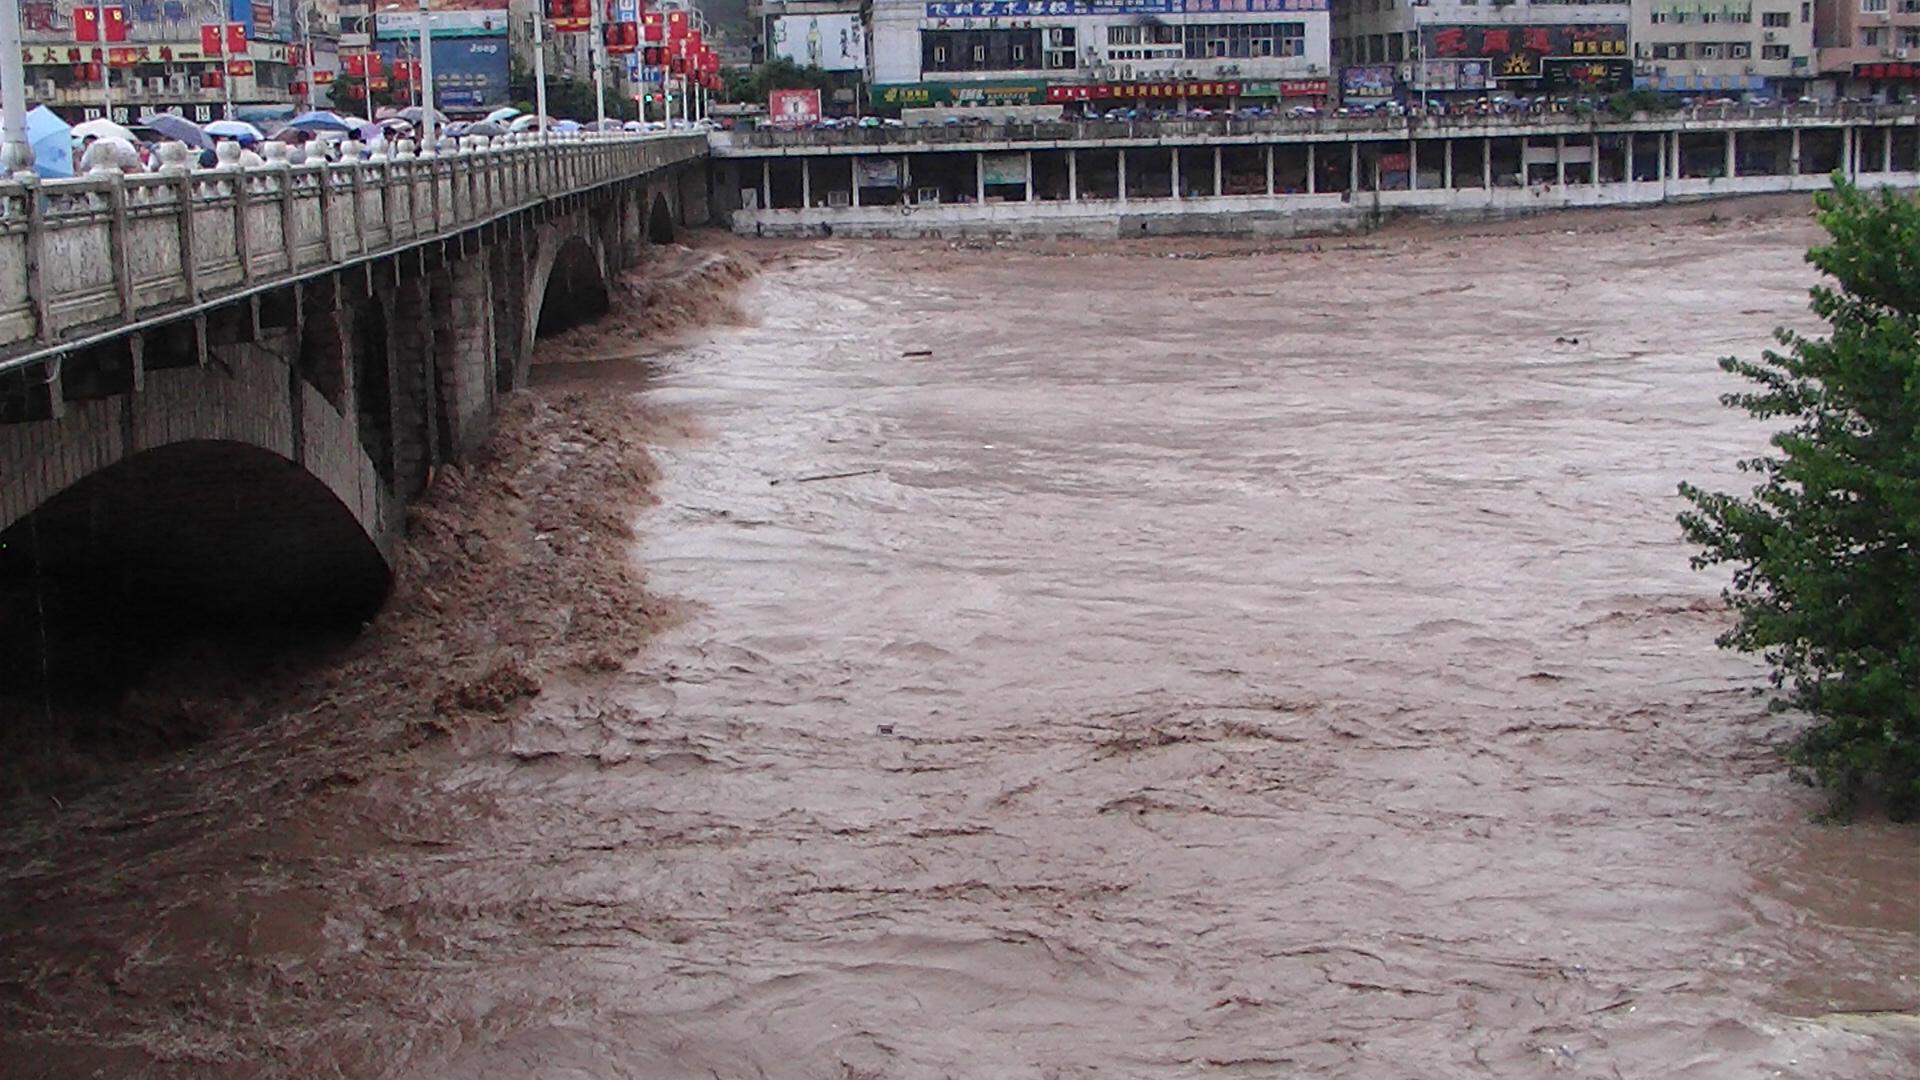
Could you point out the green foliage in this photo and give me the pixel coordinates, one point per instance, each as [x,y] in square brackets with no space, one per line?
[1627,102]
[779,73]
[1826,552]
[346,103]
[567,99]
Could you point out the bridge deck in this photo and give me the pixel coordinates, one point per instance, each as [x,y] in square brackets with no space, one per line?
[88,259]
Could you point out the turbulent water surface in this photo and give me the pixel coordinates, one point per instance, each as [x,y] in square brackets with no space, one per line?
[1104,663]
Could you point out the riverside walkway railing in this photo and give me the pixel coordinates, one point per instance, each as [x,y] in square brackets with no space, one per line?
[1193,129]
[87,258]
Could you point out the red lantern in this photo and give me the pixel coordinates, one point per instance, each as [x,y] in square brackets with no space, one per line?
[212,79]
[86,24]
[583,9]
[676,25]
[653,25]
[116,28]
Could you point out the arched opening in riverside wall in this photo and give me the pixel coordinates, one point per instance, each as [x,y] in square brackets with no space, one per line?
[660,221]
[575,294]
[219,551]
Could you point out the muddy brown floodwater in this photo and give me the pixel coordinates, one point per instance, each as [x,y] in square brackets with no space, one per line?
[1148,660]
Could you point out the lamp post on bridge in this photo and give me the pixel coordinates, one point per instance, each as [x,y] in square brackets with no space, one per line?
[428,144]
[16,157]
[539,69]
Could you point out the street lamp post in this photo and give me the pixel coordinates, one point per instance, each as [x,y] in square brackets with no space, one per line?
[428,144]
[597,56]
[539,69]
[16,157]
[106,68]
[303,22]
[226,74]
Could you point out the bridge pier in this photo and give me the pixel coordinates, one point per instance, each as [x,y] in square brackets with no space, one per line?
[251,448]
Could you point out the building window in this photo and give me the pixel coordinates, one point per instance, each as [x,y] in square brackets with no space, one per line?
[1673,50]
[980,50]
[1706,50]
[1776,18]
[1773,52]
[1806,11]
[1872,37]
[1739,50]
[1910,38]
[1909,7]
[1124,35]
[1246,40]
[1658,17]
[1873,6]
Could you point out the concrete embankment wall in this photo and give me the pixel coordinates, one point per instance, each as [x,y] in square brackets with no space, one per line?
[1260,215]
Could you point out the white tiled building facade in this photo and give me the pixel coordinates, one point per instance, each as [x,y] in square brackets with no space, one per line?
[1074,50]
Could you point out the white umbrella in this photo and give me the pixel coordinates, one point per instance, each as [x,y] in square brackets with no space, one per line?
[503,114]
[101,129]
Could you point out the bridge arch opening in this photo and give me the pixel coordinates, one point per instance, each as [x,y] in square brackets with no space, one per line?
[195,542]
[660,221]
[576,294]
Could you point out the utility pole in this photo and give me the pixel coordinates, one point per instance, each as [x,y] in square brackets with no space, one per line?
[106,68]
[540,70]
[428,144]
[16,158]
[597,55]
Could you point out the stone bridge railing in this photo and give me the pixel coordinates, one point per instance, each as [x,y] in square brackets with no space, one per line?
[87,258]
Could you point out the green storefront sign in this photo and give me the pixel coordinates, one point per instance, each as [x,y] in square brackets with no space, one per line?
[919,95]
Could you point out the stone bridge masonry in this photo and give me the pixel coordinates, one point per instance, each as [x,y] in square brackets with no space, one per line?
[218,388]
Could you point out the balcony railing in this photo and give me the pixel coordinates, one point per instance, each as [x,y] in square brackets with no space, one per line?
[1430,124]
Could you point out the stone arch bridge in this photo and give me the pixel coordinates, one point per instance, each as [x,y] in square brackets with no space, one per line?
[218,389]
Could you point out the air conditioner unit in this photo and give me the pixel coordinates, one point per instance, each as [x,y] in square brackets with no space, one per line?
[1749,69]
[1699,69]
[1772,36]
[177,84]
[1899,54]
[157,85]
[193,83]
[47,88]
[1642,50]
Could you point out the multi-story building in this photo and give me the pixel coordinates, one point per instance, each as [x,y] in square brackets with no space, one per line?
[1099,53]
[1760,47]
[1870,47]
[149,55]
[827,34]
[1464,48]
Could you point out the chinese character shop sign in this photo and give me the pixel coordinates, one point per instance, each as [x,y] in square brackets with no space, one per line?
[1515,52]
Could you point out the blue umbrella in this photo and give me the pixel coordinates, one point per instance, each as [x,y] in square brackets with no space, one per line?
[320,120]
[567,125]
[171,126]
[52,145]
